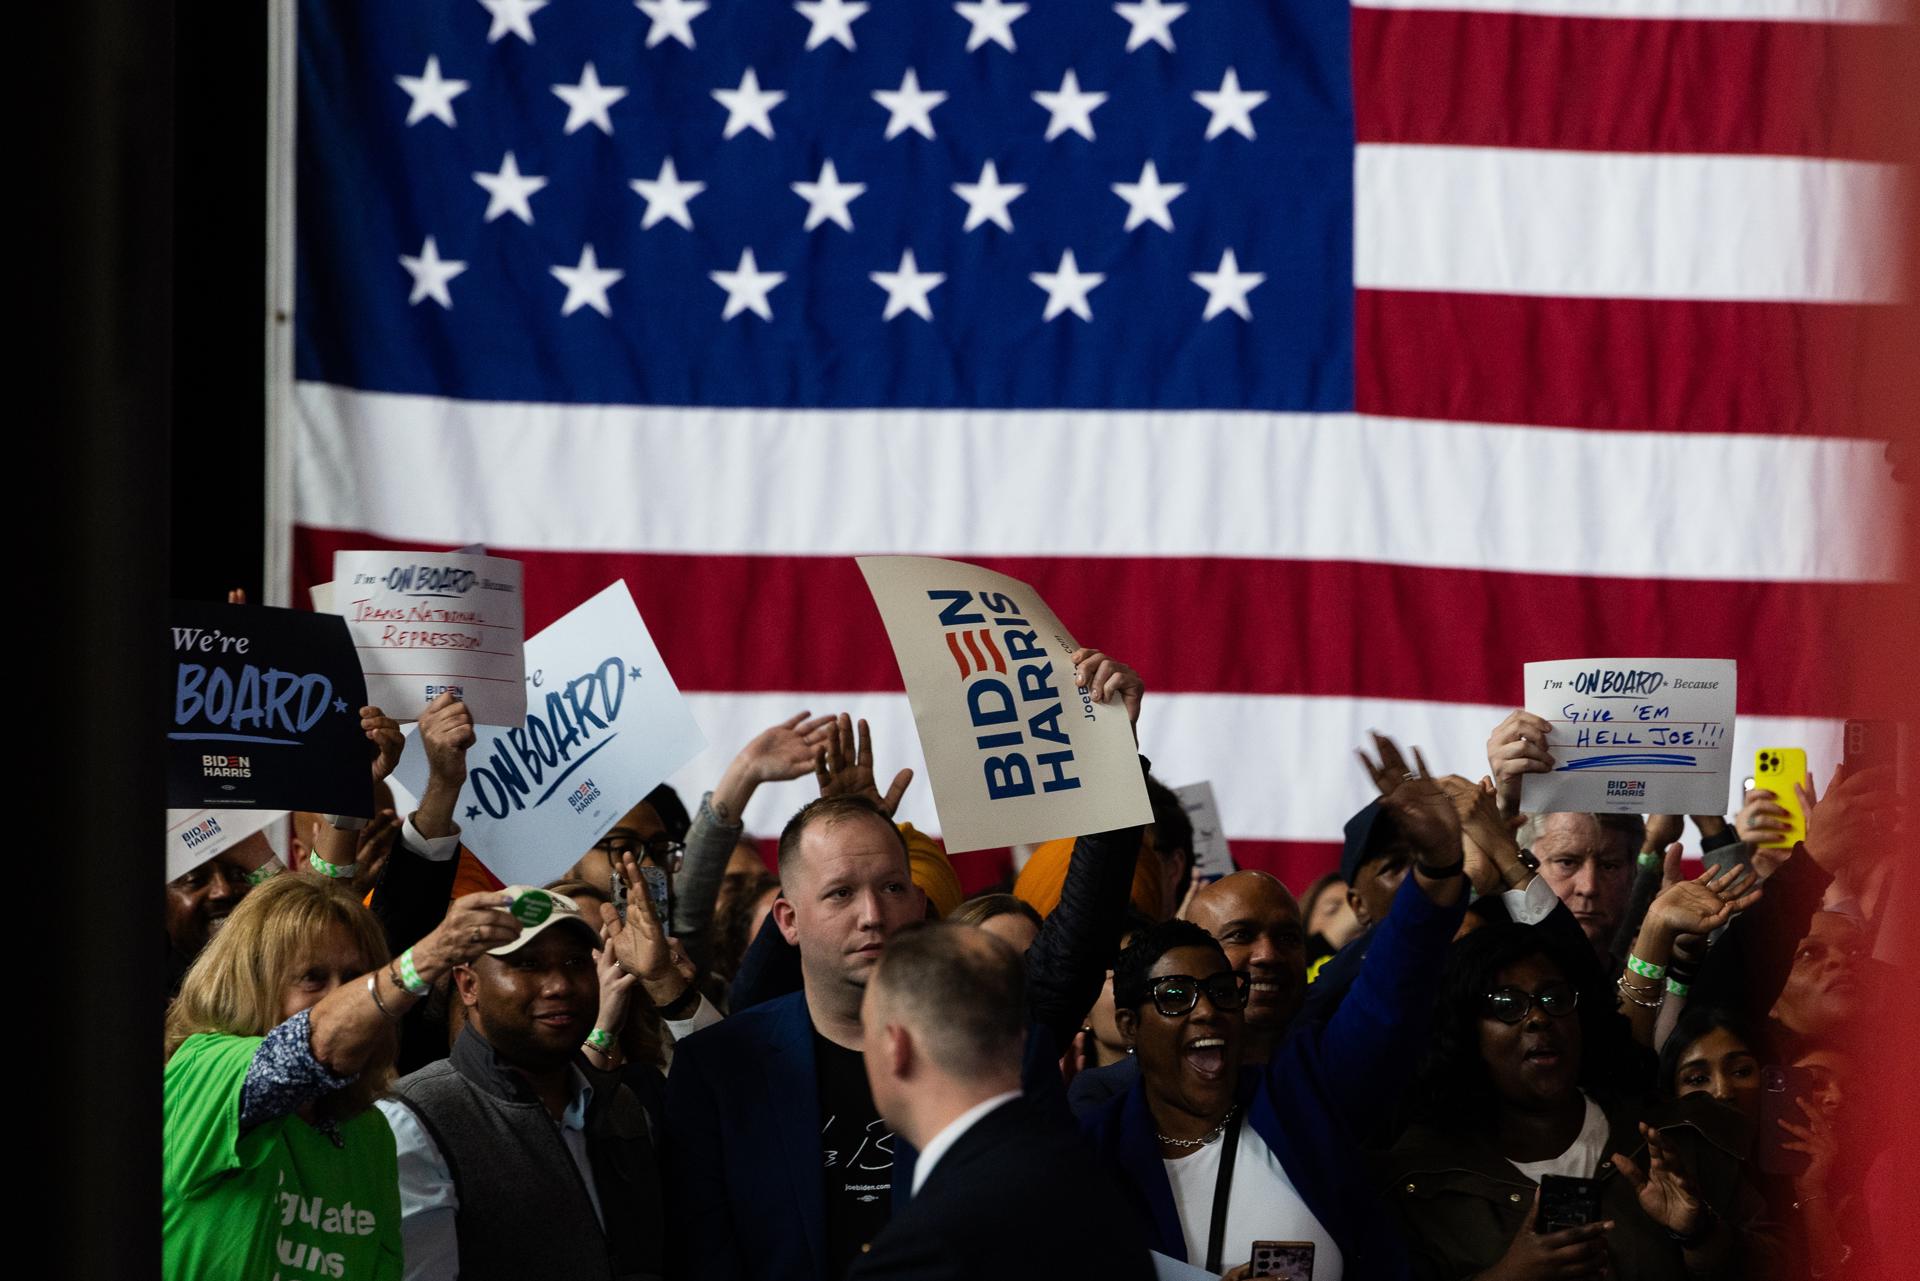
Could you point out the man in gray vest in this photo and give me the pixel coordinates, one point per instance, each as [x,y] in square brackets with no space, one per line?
[517,1160]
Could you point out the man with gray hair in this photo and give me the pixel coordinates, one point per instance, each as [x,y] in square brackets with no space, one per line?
[1587,859]
[1003,1186]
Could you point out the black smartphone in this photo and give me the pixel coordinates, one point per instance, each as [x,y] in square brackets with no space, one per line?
[1781,1091]
[1290,1260]
[1871,744]
[1566,1203]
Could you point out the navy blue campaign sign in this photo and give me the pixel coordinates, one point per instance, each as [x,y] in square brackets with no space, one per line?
[264,711]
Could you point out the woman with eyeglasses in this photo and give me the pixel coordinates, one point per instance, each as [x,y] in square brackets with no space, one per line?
[1529,1078]
[1222,1162]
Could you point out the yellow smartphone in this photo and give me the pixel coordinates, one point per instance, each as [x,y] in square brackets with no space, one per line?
[1777,769]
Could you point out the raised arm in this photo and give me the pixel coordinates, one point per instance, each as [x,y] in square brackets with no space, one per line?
[1370,1046]
[1069,960]
[413,894]
[784,751]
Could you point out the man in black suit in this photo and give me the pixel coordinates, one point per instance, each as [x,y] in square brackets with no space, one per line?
[1003,1186]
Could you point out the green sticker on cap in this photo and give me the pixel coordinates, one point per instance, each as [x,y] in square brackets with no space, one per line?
[532,908]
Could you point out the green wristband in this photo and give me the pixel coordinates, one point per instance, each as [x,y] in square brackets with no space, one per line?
[410,978]
[1649,859]
[265,872]
[1677,988]
[601,1040]
[1645,969]
[333,870]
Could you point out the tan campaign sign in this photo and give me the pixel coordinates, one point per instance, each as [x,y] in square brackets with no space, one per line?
[1015,751]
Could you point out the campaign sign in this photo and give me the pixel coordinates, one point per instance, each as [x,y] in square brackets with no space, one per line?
[1015,751]
[432,623]
[1633,735]
[604,724]
[265,712]
[1211,858]
[194,836]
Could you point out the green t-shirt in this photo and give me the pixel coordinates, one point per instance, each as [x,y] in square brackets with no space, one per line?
[278,1203]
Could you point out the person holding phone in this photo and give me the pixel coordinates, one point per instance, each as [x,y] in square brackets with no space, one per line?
[1527,1080]
[1216,1158]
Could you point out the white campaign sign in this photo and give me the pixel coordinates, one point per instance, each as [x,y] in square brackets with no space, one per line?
[194,836]
[1633,735]
[426,623]
[1015,752]
[604,724]
[1211,857]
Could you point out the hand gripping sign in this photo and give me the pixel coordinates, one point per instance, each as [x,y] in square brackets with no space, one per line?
[1633,735]
[604,724]
[1015,751]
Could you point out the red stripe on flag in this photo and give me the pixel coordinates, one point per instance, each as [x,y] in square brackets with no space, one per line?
[1216,625]
[1612,84]
[1617,363]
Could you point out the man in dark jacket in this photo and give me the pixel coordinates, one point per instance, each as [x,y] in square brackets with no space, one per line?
[1002,1187]
[779,1164]
[516,1159]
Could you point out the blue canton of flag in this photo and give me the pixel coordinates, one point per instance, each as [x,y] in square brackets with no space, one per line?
[833,203]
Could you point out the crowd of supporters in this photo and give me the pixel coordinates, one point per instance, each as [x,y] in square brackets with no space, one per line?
[1486,1046]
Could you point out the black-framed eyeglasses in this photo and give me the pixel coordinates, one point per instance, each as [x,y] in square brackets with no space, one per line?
[661,851]
[1511,1004]
[1177,994]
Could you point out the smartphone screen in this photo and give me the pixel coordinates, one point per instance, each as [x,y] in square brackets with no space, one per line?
[660,890]
[1292,1260]
[1566,1203]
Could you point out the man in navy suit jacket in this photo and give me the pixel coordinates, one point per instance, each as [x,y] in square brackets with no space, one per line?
[1002,1187]
[778,1164]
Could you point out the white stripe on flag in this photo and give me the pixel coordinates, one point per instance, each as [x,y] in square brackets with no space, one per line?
[1847,11]
[1282,767]
[1285,486]
[1615,225]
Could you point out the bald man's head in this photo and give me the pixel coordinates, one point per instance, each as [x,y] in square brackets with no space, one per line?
[1257,922]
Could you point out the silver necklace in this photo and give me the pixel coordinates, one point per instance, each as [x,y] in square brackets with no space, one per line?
[1204,1139]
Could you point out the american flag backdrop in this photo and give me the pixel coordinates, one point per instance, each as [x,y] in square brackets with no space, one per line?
[1325,362]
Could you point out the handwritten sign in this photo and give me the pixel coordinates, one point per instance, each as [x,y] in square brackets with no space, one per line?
[194,836]
[428,623]
[1015,751]
[1211,858]
[1633,735]
[604,723]
[265,712]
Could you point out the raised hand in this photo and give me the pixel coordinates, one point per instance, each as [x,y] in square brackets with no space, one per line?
[639,945]
[616,984]
[1821,1146]
[1517,747]
[1762,819]
[371,847]
[1105,679]
[446,732]
[844,770]
[475,923]
[1417,801]
[1860,818]
[777,753]
[789,749]
[384,733]
[1662,831]
[1704,905]
[1666,1194]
